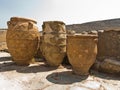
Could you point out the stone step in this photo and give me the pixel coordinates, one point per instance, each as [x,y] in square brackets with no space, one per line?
[108,65]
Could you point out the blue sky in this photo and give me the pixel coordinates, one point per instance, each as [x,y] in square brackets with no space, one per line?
[69,11]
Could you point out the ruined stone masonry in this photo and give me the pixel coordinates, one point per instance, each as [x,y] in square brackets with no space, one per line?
[3,46]
[108,57]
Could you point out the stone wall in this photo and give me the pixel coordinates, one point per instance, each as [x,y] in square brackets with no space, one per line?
[3,35]
[108,56]
[3,45]
[109,44]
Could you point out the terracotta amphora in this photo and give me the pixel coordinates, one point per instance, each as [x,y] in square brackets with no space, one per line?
[22,39]
[81,51]
[54,42]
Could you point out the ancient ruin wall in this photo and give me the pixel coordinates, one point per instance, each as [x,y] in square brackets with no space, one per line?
[3,35]
[3,45]
[109,44]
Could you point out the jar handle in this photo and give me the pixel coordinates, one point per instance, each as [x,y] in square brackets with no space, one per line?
[8,23]
[30,25]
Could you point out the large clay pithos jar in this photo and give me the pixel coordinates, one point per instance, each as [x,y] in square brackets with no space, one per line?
[81,51]
[53,45]
[22,40]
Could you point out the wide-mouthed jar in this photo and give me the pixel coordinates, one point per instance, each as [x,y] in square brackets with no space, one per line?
[22,39]
[81,51]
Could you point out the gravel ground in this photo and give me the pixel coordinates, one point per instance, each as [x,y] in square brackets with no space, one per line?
[38,76]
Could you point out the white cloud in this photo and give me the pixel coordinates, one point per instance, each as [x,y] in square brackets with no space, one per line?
[69,11]
[78,11]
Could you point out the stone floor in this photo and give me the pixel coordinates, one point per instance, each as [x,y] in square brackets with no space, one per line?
[38,76]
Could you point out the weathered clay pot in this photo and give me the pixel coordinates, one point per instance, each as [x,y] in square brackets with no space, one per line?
[54,42]
[22,39]
[81,51]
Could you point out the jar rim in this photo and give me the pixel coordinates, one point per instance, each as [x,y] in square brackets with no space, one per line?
[61,22]
[22,19]
[83,35]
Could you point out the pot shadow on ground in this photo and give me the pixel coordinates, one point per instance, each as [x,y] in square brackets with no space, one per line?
[6,64]
[2,59]
[65,77]
[35,69]
[104,75]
